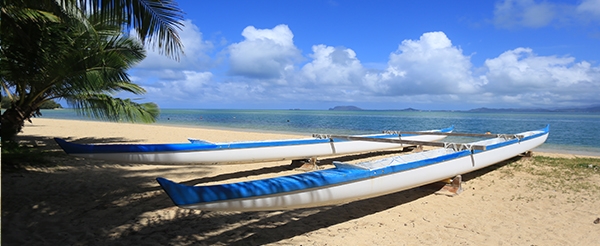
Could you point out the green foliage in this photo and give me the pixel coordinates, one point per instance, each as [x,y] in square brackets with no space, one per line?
[577,166]
[50,105]
[6,102]
[563,174]
[155,22]
[16,157]
[76,50]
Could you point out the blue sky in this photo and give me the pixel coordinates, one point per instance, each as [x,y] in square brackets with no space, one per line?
[434,55]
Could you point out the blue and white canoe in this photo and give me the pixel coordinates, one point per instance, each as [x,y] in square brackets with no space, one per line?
[202,152]
[347,182]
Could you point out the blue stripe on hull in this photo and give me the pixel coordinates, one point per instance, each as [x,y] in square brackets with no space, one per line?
[73,148]
[188,195]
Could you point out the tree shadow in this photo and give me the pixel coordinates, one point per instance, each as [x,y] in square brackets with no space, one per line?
[95,202]
[91,140]
[76,200]
[41,144]
[297,222]
[264,228]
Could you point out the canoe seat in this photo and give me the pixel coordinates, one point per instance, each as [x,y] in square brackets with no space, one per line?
[395,160]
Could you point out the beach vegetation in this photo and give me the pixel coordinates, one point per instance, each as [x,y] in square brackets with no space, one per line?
[18,156]
[51,104]
[569,174]
[566,175]
[80,51]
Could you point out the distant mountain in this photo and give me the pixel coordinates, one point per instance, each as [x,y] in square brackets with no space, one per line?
[345,108]
[589,109]
[525,110]
[410,110]
[500,110]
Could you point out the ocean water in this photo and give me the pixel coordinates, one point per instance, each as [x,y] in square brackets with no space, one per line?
[569,132]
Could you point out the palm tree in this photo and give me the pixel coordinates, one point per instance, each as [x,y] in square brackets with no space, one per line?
[155,21]
[46,56]
[77,50]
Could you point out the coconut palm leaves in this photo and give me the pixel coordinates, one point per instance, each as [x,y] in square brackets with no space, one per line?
[76,50]
[155,21]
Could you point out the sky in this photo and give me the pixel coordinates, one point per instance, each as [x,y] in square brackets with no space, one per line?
[380,54]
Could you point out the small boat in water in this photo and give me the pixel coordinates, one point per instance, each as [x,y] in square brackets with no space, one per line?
[203,152]
[347,182]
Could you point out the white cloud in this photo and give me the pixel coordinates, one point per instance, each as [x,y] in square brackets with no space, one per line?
[590,8]
[265,69]
[521,74]
[519,69]
[170,82]
[195,52]
[333,67]
[430,65]
[527,13]
[432,70]
[510,14]
[201,89]
[265,53]
[190,86]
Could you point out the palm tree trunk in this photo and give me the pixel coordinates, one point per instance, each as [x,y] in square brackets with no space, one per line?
[13,120]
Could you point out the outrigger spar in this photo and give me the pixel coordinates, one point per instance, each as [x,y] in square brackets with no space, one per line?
[353,181]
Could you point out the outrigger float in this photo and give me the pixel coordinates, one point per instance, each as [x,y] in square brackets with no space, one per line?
[347,182]
[204,152]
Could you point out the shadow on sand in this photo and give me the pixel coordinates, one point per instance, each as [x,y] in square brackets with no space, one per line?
[94,202]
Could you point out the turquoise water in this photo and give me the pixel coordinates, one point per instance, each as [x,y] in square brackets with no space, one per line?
[569,132]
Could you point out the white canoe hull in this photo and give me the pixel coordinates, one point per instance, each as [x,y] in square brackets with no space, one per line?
[379,184]
[251,154]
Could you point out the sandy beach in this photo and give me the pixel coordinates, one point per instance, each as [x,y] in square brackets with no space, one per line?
[76,201]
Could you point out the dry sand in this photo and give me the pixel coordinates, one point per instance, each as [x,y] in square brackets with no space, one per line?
[75,201]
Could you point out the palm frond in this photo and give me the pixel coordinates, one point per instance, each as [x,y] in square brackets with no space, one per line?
[76,50]
[20,13]
[102,106]
[156,21]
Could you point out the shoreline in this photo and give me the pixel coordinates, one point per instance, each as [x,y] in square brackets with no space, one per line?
[286,134]
[78,201]
[566,153]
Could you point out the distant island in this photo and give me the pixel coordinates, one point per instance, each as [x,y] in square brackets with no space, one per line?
[346,108]
[532,110]
[590,109]
[354,108]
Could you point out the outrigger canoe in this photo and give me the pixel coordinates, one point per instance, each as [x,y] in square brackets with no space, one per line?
[203,152]
[347,182]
